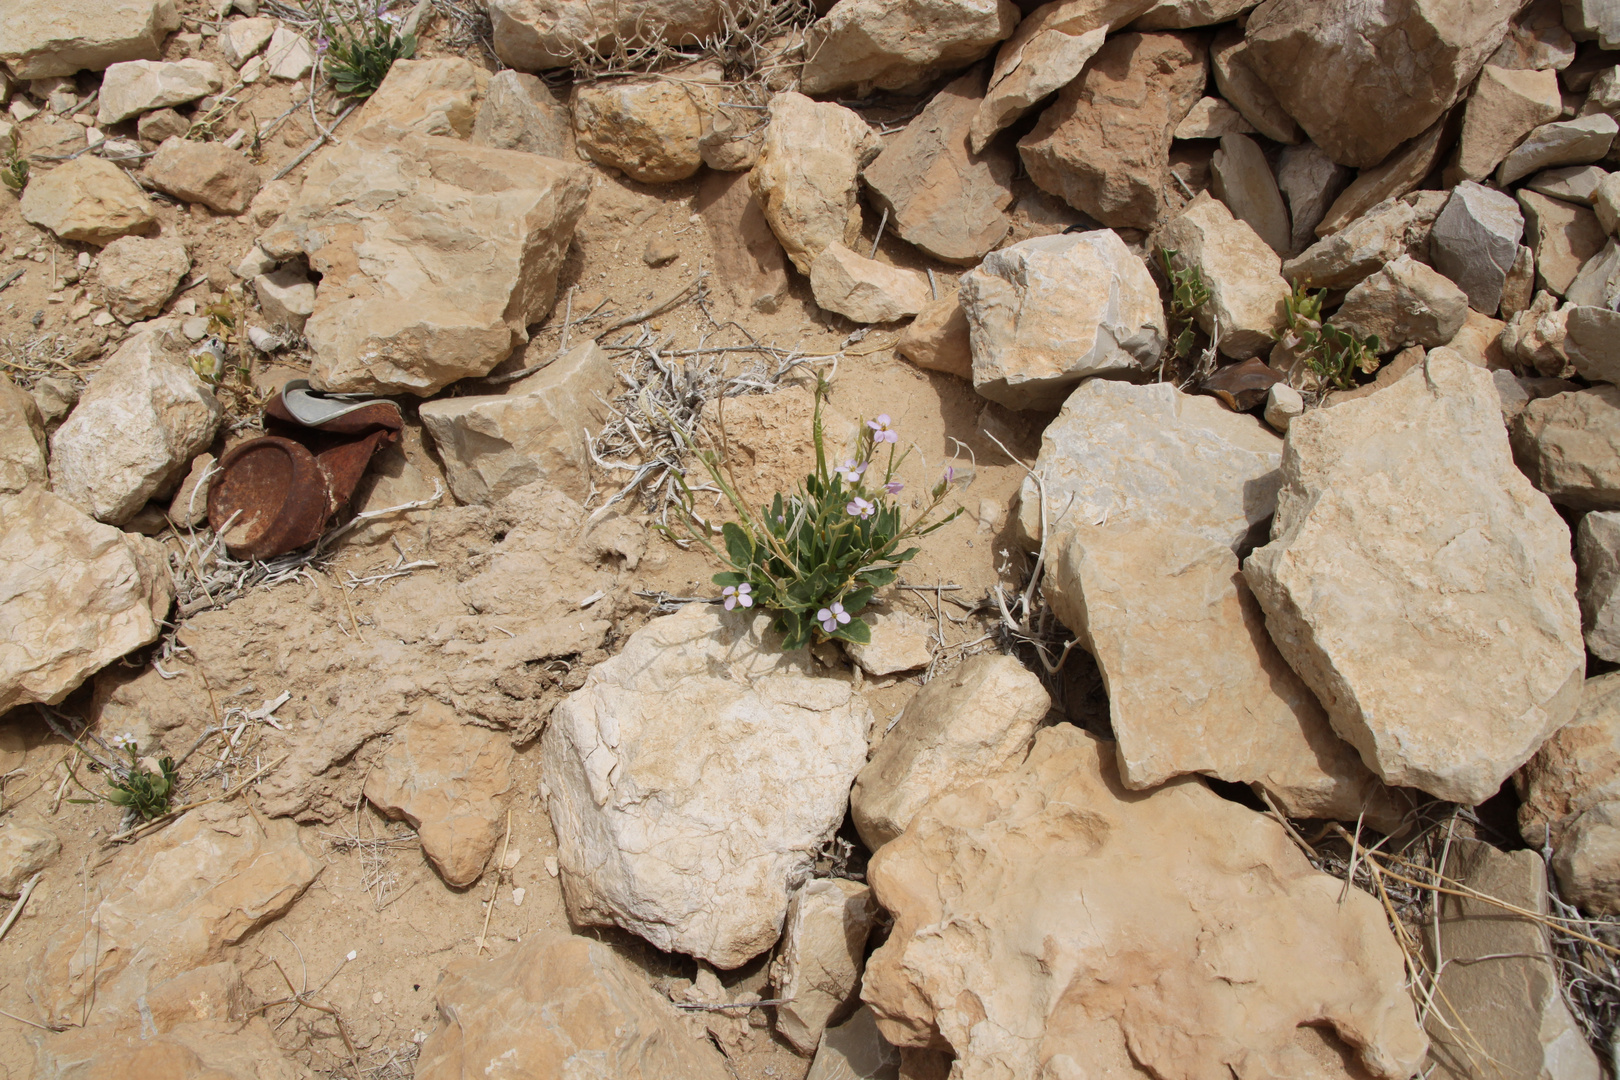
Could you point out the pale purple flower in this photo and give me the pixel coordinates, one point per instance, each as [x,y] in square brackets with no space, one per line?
[738,594]
[893,487]
[950,473]
[851,472]
[882,431]
[831,618]
[859,508]
[322,43]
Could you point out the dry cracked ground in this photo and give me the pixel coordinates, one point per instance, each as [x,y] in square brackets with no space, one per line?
[1257,716]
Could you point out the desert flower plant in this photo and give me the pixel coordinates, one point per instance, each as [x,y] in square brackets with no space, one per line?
[813,558]
[357,49]
[140,791]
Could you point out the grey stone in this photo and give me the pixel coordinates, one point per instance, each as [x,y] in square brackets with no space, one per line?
[1593,20]
[1310,181]
[1598,283]
[1597,558]
[1573,183]
[855,1050]
[1592,342]
[1247,91]
[1475,241]
[519,112]
[1563,237]
[1563,142]
[1569,447]
[1243,181]
[1353,253]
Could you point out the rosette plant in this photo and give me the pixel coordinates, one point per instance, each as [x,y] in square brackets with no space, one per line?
[813,558]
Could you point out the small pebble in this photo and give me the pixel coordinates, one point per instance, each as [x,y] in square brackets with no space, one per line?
[376,999]
[518,895]
[660,252]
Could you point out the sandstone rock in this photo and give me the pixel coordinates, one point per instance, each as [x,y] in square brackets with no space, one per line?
[817,967]
[155,127]
[89,200]
[1185,14]
[1606,203]
[425,97]
[176,902]
[1573,183]
[286,296]
[519,112]
[865,290]
[938,339]
[1567,444]
[1353,253]
[1479,341]
[1534,338]
[1597,556]
[288,56]
[138,86]
[438,278]
[1562,236]
[1537,40]
[963,726]
[240,39]
[1104,146]
[444,778]
[754,727]
[1284,404]
[210,173]
[1568,794]
[1247,91]
[806,179]
[1500,985]
[137,276]
[856,1050]
[1119,453]
[24,852]
[1248,295]
[1400,173]
[42,38]
[211,1050]
[1598,283]
[1211,118]
[1588,861]
[1519,287]
[1242,180]
[647,127]
[493,444]
[747,257]
[1564,142]
[1592,342]
[1310,181]
[865,45]
[1405,303]
[1363,80]
[142,419]
[1480,608]
[1012,989]
[941,197]
[900,642]
[558,1007]
[1593,20]
[532,35]
[1475,242]
[22,439]
[1504,108]
[1046,313]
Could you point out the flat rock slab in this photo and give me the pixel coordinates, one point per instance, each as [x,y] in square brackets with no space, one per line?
[866,45]
[89,200]
[138,86]
[41,38]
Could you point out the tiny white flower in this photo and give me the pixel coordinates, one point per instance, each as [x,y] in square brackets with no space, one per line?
[851,472]
[738,594]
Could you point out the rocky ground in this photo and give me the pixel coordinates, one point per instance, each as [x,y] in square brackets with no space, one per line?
[1257,716]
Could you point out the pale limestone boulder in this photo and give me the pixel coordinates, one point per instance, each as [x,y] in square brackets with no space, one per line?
[1500,982]
[22,439]
[42,38]
[1404,531]
[519,112]
[648,765]
[1247,293]
[137,426]
[24,852]
[1186,14]
[242,39]
[1104,145]
[210,173]
[557,1007]
[649,127]
[1353,253]
[964,725]
[1564,142]
[1572,183]
[1592,342]
[138,86]
[435,256]
[1400,174]
[107,594]
[1475,242]
[747,257]
[1046,313]
[807,178]
[1593,20]
[1570,798]
[534,35]
[941,197]
[1506,105]
[136,276]
[89,200]
[1606,203]
[939,338]
[288,55]
[178,901]
[1237,82]
[866,45]
[1597,556]
[900,642]
[1598,283]
[1569,447]
[817,967]
[425,97]
[1241,178]
[865,290]
[493,444]
[1563,238]
[1176,932]
[286,296]
[1120,454]
[1405,303]
[1211,118]
[226,1047]
[1361,80]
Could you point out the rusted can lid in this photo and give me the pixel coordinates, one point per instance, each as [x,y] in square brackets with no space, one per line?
[272,495]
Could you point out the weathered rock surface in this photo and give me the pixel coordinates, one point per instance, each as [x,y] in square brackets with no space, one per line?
[1104,146]
[1241,178]
[286,296]
[856,1050]
[1592,342]
[1564,142]
[42,38]
[519,112]
[1133,886]
[963,726]
[22,439]
[425,97]
[89,200]
[900,642]
[1593,20]
[662,841]
[647,127]
[866,45]
[1283,405]
[1597,557]
[210,173]
[1185,14]
[137,276]
[222,1049]
[747,256]
[1247,293]
[1045,313]
[806,180]
[533,35]
[1598,283]
[1310,181]
[558,1007]
[1352,254]
[493,444]
[1423,543]
[1606,202]
[939,339]
[1475,242]
[1399,175]
[1573,183]
[865,290]
[1563,237]
[1211,118]
[1534,338]
[1506,105]
[1569,447]
[240,39]
[288,56]
[1248,93]
[817,967]
[1405,303]
[435,256]
[24,852]
[138,86]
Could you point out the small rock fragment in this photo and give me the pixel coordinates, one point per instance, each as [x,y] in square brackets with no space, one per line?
[1563,142]
[647,127]
[1248,296]
[806,181]
[242,38]
[1283,405]
[22,439]
[138,86]
[24,852]
[286,296]
[817,967]
[1563,238]
[1211,118]
[1237,82]
[1569,446]
[88,199]
[900,642]
[865,290]
[1242,180]
[210,173]
[1310,181]
[1405,303]
[137,276]
[1353,253]
[938,339]
[1475,242]
[1505,106]
[865,45]
[519,112]
[288,56]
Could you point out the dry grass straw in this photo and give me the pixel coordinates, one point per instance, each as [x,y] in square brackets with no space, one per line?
[26,360]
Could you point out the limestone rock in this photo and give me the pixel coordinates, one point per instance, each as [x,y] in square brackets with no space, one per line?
[425,97]
[42,38]
[865,45]
[1563,238]
[106,595]
[154,127]
[806,179]
[1606,203]
[493,444]
[647,765]
[222,1049]
[533,35]
[22,439]
[210,173]
[89,200]
[137,276]
[1353,253]
[1569,794]
[138,86]
[1593,20]
[1248,93]
[444,778]
[1573,183]
[1519,287]
[519,112]
[817,966]
[1248,296]
[1211,118]
[1362,80]
[1104,146]
[1284,404]
[865,290]
[1598,283]
[1400,173]
[1537,40]
[647,127]
[938,339]
[137,426]
[286,296]
[1592,342]
[435,256]
[900,642]
[1185,14]
[1310,181]
[189,507]
[963,726]
[1242,180]
[1588,861]
[1453,563]
[240,39]
[24,852]
[1475,242]
[946,200]
[1564,142]
[1504,108]
[1151,879]
[1046,313]
[1405,303]
[1534,338]
[288,56]
[856,1050]
[176,902]
[747,256]
[558,1007]
[1569,446]
[1597,555]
